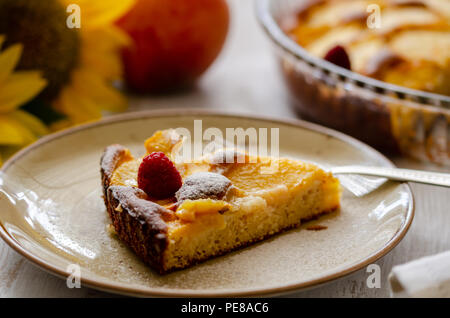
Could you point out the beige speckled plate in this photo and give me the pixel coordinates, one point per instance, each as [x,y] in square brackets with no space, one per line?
[53,214]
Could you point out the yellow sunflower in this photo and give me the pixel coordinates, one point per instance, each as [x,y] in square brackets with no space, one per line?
[90,90]
[82,65]
[17,127]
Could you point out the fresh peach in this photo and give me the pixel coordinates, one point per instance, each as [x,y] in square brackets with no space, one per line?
[175,41]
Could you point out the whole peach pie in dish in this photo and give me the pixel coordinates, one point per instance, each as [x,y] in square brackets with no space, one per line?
[175,214]
[403,42]
[378,70]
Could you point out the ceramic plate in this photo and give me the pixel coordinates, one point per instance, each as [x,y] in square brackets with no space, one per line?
[53,214]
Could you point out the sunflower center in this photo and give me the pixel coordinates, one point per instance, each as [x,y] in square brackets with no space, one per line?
[49,45]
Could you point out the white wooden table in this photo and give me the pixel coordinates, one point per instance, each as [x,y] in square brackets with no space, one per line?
[245,79]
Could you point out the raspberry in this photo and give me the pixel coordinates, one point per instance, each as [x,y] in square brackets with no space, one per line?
[338,56]
[158,176]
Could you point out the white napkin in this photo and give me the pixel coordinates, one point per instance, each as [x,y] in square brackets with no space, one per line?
[425,277]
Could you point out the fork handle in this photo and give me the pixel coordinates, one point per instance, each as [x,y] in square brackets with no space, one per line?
[433,178]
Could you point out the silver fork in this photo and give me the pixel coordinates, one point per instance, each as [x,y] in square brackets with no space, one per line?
[351,177]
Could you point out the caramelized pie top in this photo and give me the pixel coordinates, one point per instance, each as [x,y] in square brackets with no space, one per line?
[409,47]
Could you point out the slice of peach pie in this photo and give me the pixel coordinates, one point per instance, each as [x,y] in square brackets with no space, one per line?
[173,215]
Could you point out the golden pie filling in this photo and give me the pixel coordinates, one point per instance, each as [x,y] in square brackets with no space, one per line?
[244,205]
[403,42]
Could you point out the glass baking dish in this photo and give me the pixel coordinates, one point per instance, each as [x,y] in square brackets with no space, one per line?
[391,118]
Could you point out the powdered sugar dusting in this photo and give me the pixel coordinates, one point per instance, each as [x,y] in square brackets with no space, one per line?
[203,185]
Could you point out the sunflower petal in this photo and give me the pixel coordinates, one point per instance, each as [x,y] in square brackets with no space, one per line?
[20,88]
[14,133]
[120,37]
[8,60]
[33,123]
[91,85]
[78,108]
[60,125]
[101,51]
[108,66]
[106,38]
[9,135]
[101,12]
